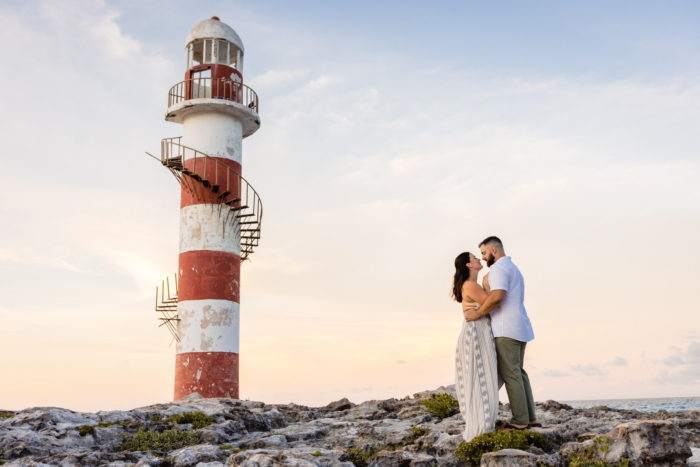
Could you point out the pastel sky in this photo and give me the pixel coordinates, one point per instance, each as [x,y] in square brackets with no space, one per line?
[394,136]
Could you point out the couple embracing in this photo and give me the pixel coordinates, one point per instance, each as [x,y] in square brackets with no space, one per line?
[491,346]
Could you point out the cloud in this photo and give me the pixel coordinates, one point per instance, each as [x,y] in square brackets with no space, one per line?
[684,365]
[320,83]
[619,361]
[96,20]
[588,370]
[30,257]
[279,78]
[555,373]
[673,360]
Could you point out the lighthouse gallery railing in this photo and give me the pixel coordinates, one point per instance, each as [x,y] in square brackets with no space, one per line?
[231,189]
[213,88]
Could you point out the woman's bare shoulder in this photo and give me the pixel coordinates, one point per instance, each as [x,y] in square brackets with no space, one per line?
[469,285]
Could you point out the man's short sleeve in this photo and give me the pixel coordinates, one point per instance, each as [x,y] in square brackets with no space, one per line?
[498,279]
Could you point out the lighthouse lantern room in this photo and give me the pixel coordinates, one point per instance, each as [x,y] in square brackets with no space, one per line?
[220,212]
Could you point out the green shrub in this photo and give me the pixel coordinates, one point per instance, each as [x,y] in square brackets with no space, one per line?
[6,414]
[470,452]
[85,430]
[361,457]
[441,405]
[417,431]
[317,453]
[197,419]
[589,457]
[151,440]
[228,447]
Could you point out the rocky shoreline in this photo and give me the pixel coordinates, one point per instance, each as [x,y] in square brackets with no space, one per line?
[393,432]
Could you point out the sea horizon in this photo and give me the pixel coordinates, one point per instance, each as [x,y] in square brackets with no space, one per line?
[642,404]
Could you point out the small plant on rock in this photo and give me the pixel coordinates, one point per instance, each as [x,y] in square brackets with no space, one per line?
[85,430]
[317,453]
[197,419]
[152,440]
[417,431]
[6,414]
[228,447]
[441,405]
[361,456]
[590,456]
[470,452]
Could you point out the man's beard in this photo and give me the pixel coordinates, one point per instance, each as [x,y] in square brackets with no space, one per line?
[490,260]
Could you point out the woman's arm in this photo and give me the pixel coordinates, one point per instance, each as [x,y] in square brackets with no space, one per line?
[487,287]
[472,292]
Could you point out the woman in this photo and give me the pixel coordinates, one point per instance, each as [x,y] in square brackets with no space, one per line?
[476,366]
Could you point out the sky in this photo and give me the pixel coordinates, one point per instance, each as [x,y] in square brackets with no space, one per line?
[395,135]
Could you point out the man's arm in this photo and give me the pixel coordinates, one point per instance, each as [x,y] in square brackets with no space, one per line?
[494,298]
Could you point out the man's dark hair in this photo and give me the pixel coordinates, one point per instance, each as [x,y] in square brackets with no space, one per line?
[492,240]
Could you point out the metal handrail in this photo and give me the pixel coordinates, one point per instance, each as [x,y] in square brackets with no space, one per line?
[235,191]
[213,88]
[168,307]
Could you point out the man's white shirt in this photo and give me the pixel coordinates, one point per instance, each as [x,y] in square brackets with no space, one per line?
[509,319]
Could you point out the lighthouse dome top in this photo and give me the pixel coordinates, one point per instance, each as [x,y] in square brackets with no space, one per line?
[214,28]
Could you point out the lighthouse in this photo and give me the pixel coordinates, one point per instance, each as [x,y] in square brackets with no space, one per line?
[220,212]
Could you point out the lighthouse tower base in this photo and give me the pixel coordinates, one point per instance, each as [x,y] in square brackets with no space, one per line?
[210,374]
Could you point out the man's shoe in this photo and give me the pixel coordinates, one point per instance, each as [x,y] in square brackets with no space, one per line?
[510,426]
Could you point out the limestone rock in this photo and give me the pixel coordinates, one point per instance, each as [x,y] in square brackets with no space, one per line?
[695,460]
[401,459]
[647,442]
[509,458]
[388,432]
[342,404]
[194,455]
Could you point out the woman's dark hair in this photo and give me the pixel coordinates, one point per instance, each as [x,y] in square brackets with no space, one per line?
[461,275]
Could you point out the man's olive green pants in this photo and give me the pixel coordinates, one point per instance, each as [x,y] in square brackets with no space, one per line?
[511,354]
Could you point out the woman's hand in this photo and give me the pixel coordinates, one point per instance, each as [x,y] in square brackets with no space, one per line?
[469,310]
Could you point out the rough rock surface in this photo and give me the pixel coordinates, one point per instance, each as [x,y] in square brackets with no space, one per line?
[393,432]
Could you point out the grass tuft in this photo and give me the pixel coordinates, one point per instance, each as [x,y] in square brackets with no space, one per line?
[441,405]
[233,450]
[590,456]
[361,457]
[85,430]
[470,452]
[197,419]
[152,440]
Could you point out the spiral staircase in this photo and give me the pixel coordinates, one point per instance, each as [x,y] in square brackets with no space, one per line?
[222,186]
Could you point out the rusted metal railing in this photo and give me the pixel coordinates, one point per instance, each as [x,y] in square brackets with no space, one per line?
[197,171]
[167,306]
[213,88]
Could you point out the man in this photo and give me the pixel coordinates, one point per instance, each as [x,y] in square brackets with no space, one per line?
[511,329]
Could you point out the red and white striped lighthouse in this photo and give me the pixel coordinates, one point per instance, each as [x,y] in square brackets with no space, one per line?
[220,213]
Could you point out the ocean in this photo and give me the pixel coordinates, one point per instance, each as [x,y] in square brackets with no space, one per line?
[670,404]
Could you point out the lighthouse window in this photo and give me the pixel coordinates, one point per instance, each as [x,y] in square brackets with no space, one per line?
[195,55]
[208,54]
[222,52]
[233,55]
